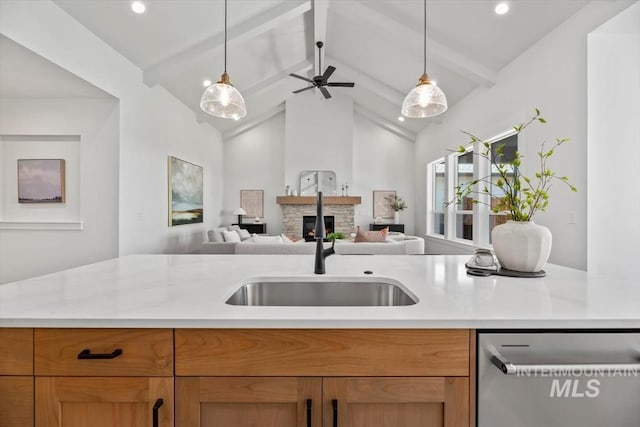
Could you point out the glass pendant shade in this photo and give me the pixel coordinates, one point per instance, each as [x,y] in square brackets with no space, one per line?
[223,100]
[424,100]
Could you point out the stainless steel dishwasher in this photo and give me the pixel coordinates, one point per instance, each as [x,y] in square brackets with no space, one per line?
[558,379]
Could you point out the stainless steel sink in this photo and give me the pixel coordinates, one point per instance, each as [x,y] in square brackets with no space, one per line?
[324,291]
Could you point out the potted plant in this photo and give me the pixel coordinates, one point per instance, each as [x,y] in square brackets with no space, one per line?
[336,235]
[398,205]
[519,244]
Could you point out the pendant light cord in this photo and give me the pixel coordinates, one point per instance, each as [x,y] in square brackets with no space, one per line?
[425,38]
[225,36]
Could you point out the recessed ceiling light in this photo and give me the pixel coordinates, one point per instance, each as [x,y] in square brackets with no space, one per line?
[400,119]
[138,7]
[206,83]
[502,8]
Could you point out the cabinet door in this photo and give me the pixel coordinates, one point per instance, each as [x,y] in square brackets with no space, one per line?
[396,402]
[104,402]
[248,401]
[16,401]
[16,351]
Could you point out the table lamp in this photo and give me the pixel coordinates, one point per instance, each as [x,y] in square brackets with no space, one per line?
[240,212]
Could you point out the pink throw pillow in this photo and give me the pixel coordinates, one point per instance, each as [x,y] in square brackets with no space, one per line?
[377,236]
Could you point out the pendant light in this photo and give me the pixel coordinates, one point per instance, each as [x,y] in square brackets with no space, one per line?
[426,99]
[221,99]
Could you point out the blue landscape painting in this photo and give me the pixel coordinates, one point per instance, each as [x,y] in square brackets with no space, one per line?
[185,192]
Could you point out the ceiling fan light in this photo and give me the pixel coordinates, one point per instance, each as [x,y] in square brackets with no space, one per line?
[223,100]
[424,100]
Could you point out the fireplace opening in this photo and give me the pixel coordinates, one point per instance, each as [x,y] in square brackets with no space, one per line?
[309,226]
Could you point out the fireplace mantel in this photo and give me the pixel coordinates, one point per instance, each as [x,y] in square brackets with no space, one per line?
[326,200]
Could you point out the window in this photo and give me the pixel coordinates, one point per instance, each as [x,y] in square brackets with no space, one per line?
[439,197]
[443,175]
[464,210]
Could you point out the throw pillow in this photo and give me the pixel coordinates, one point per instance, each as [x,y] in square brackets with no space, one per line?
[377,236]
[285,239]
[216,235]
[234,228]
[266,239]
[244,234]
[231,236]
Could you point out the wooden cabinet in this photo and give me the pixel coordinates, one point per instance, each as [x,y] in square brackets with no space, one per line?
[322,352]
[104,377]
[255,227]
[16,377]
[16,401]
[392,227]
[107,352]
[104,402]
[236,377]
[396,402]
[369,378]
[248,401]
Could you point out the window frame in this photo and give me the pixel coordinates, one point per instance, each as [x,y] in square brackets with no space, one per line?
[431,192]
[481,211]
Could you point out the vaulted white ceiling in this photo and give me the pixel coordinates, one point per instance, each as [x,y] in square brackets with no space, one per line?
[25,74]
[375,43]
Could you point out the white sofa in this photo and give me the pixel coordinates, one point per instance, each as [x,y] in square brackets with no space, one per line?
[397,244]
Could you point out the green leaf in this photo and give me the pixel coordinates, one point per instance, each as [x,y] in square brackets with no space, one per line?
[542,120]
[537,112]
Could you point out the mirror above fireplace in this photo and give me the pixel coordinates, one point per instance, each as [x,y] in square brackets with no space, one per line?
[313,181]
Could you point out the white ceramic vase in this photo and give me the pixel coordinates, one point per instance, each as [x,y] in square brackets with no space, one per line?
[521,245]
[396,217]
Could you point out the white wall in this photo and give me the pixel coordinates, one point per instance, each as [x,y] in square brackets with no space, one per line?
[318,136]
[382,161]
[550,75]
[614,147]
[153,125]
[92,184]
[254,160]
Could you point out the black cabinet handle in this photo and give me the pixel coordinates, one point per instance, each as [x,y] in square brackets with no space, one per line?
[309,403]
[334,403]
[156,406]
[86,354]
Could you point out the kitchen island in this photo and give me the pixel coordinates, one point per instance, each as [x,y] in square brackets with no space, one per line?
[148,340]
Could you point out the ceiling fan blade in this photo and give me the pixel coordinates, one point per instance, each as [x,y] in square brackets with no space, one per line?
[328,72]
[341,84]
[325,92]
[303,89]
[297,76]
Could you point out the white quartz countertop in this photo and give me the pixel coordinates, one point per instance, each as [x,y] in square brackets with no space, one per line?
[189,291]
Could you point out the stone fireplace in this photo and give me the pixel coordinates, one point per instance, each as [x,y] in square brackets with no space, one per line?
[309,226]
[295,208]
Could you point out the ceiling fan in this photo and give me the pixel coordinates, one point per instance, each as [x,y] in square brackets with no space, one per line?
[321,81]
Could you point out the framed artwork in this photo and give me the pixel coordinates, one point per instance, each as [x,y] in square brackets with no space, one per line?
[252,202]
[185,192]
[381,203]
[41,180]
